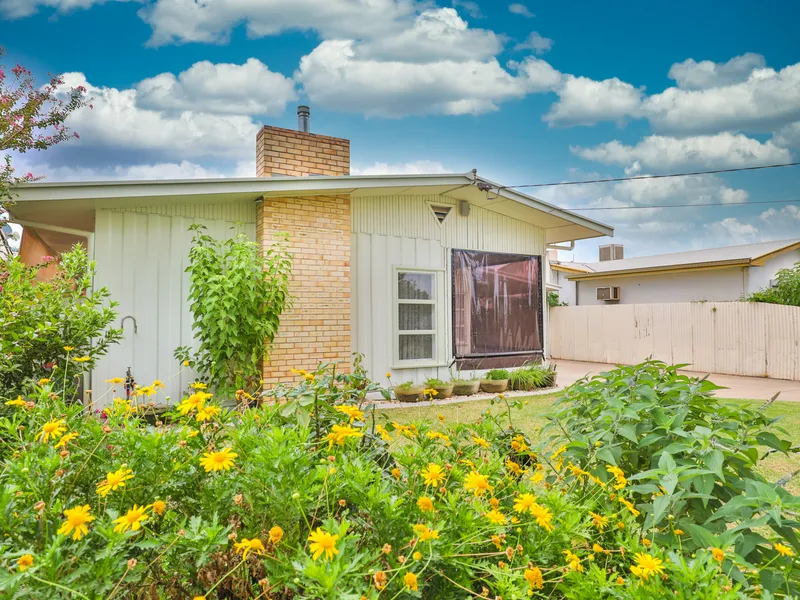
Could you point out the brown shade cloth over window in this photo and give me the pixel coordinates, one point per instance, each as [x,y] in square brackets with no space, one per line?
[497,303]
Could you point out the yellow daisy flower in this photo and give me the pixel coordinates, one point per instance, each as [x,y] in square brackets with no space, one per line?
[218,461]
[322,542]
[77,521]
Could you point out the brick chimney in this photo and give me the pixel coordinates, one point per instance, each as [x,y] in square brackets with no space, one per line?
[317,328]
[282,152]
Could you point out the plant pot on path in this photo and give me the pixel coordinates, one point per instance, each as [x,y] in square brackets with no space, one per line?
[443,391]
[494,386]
[466,388]
[409,394]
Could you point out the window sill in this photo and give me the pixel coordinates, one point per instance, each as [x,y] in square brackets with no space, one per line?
[418,365]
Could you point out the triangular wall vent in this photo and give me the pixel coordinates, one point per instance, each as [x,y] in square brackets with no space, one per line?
[440,212]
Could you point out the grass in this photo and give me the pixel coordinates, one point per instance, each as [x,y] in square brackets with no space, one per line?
[531,418]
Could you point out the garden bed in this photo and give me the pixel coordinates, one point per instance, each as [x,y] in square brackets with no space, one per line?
[380,403]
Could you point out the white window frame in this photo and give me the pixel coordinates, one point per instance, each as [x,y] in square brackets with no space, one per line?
[438,305]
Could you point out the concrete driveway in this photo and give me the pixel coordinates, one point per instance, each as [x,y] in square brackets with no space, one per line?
[757,388]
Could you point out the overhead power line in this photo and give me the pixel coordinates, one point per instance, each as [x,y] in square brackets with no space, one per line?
[647,207]
[638,177]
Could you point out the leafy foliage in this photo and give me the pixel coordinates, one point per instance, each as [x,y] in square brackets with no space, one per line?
[691,461]
[31,118]
[497,375]
[786,290]
[237,297]
[40,319]
[554,300]
[317,497]
[531,377]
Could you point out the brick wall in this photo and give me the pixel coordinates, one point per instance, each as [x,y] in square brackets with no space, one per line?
[317,329]
[282,152]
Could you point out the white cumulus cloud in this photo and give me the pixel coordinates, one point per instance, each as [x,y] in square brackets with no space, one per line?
[245,89]
[536,42]
[520,9]
[435,35]
[693,75]
[334,75]
[116,121]
[16,9]
[584,101]
[764,101]
[417,167]
[711,151]
[733,231]
[180,21]
[790,212]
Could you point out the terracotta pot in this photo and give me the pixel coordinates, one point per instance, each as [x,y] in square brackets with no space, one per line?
[412,394]
[444,391]
[467,388]
[494,386]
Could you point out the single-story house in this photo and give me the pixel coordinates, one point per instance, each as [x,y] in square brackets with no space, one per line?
[417,272]
[713,275]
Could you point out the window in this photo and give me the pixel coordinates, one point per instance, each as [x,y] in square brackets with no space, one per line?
[416,316]
[497,304]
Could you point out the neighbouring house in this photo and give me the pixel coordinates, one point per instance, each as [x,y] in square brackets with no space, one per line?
[713,275]
[417,272]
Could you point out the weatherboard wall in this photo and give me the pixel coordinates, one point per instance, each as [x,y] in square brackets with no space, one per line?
[142,253]
[390,232]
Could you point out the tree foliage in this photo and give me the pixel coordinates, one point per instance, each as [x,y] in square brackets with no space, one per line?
[237,297]
[32,117]
[786,290]
[46,325]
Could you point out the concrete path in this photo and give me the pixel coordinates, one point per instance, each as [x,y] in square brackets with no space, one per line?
[756,388]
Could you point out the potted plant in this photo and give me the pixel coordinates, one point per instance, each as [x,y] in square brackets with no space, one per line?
[531,377]
[495,381]
[465,386]
[409,392]
[443,390]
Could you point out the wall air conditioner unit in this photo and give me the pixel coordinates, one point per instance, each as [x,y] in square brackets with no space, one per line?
[608,294]
[611,252]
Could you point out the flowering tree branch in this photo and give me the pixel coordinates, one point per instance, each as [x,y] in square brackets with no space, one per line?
[31,118]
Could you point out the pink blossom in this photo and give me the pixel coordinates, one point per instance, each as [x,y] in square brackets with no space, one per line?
[29,176]
[47,258]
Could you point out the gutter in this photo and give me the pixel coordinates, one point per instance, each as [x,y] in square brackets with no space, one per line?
[719,264]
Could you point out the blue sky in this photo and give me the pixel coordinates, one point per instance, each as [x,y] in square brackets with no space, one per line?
[524,92]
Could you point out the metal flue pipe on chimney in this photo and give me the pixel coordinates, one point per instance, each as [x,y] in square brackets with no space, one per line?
[304,119]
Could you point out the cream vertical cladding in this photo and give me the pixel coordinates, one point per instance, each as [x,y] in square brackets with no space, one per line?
[142,253]
[391,231]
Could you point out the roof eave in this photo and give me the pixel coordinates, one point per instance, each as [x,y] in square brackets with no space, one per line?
[720,264]
[577,227]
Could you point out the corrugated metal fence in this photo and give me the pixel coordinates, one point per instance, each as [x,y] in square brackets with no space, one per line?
[735,338]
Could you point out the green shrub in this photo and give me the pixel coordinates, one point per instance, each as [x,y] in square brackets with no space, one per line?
[496,375]
[232,504]
[686,461]
[786,290]
[236,297]
[433,382]
[40,320]
[554,300]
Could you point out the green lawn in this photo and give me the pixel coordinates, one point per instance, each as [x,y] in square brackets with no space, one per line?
[530,418]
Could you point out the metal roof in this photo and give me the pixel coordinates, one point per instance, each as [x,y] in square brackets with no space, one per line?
[561,224]
[747,254]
